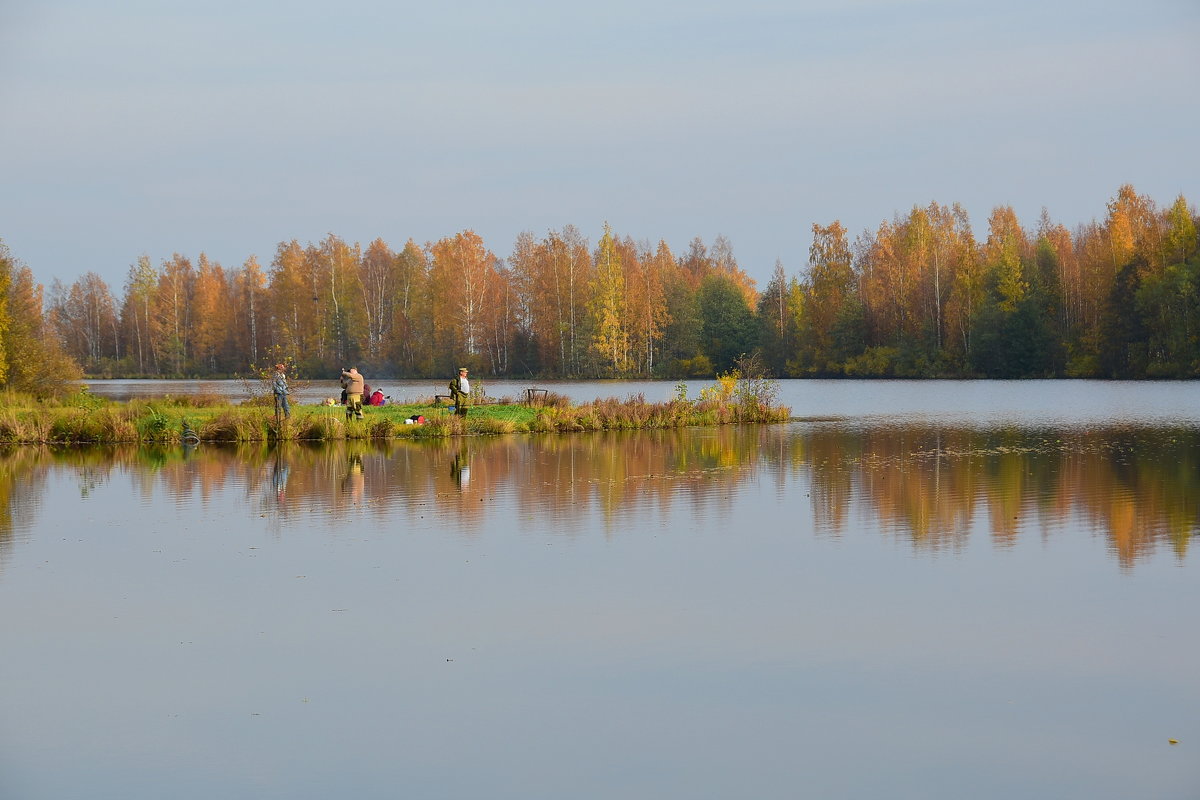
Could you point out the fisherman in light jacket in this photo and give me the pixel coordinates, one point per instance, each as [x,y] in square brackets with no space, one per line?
[354,392]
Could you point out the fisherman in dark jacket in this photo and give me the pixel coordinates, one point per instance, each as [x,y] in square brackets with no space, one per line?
[460,392]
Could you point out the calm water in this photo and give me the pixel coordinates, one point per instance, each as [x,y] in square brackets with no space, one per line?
[917,590]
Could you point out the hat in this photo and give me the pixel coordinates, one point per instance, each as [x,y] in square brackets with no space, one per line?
[462,369]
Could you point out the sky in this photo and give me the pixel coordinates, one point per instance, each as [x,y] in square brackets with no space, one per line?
[158,127]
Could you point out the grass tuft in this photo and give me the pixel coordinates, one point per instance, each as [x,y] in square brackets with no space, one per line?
[493,425]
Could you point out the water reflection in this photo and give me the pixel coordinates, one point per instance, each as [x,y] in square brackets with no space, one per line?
[933,486]
[1137,486]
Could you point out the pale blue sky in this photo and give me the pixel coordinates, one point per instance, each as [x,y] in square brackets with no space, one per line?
[159,126]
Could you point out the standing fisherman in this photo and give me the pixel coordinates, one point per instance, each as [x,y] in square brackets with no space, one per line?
[279,385]
[460,392]
[354,392]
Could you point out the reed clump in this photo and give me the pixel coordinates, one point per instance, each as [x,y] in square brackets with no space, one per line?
[112,425]
[541,424]
[317,427]
[555,419]
[732,400]
[10,428]
[494,425]
[440,425]
[383,428]
[632,413]
[73,425]
[556,400]
[230,426]
[357,429]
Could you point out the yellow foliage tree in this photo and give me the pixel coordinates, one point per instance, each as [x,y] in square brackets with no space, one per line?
[1004,254]
[611,338]
[460,275]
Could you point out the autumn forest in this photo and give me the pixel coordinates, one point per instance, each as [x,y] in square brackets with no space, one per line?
[923,295]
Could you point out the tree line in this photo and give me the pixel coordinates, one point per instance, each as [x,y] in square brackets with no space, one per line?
[920,296]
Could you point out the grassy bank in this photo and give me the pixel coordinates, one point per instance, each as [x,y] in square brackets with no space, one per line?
[85,418]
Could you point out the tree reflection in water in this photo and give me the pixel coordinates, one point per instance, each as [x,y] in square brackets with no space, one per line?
[1139,487]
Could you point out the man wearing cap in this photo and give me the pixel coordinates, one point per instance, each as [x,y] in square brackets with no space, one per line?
[354,392]
[279,386]
[460,392]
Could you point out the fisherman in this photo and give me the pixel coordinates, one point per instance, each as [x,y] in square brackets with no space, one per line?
[354,392]
[460,392]
[279,386]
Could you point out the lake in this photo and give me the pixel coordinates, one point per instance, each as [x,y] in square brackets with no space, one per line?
[913,590]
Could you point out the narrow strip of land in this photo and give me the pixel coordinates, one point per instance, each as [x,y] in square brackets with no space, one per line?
[86,419]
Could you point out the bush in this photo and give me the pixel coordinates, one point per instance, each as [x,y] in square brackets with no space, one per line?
[699,367]
[152,425]
[1083,365]
[756,391]
[84,399]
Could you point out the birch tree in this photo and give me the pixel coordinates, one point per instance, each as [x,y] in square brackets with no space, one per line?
[459,276]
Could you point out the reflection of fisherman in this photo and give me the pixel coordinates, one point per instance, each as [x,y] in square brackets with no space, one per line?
[279,478]
[460,392]
[279,386]
[460,468]
[355,481]
[354,392]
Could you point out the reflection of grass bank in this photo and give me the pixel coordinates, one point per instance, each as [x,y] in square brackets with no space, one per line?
[84,418]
